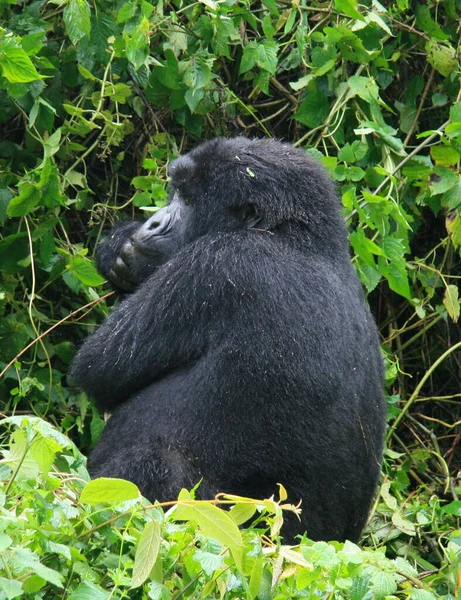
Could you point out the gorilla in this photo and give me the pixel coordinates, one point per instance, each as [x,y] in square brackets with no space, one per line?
[242,353]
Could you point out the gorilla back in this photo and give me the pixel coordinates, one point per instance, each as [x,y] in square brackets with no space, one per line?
[244,353]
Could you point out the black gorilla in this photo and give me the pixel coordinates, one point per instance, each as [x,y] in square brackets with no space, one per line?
[246,354]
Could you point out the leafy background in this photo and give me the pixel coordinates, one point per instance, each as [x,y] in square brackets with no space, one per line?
[95,98]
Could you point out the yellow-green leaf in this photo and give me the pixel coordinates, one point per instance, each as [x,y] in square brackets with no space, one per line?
[16,65]
[106,490]
[146,553]
[451,302]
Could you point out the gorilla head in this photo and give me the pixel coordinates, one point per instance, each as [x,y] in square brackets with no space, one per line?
[229,185]
[245,354]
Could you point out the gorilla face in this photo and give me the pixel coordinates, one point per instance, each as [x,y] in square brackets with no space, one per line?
[185,218]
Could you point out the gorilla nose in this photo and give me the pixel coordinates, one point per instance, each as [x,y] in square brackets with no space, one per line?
[158,222]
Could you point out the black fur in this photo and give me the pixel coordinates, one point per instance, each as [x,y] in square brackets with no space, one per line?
[249,357]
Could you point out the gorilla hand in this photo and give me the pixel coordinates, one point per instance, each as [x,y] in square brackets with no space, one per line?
[123,274]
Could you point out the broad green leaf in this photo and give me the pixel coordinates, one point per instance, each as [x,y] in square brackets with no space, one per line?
[241,513]
[451,302]
[15,64]
[256,577]
[418,594]
[314,109]
[442,180]
[11,588]
[77,19]
[398,279]
[271,5]
[455,112]
[51,145]
[146,553]
[43,451]
[383,584]
[119,92]
[445,156]
[198,72]
[267,56]
[349,8]
[403,524]
[454,508]
[18,456]
[85,73]
[85,271]
[23,557]
[126,12]
[442,58]
[208,561]
[249,57]
[89,591]
[453,130]
[215,523]
[425,21]
[365,87]
[5,198]
[137,44]
[41,427]
[27,199]
[106,490]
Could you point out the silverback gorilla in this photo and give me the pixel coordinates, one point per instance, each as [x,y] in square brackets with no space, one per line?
[243,353]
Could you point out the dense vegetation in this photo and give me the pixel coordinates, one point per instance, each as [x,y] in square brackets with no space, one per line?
[95,98]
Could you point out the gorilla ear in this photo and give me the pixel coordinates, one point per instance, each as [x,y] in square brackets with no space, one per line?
[249,215]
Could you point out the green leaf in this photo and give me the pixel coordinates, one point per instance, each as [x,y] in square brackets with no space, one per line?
[446,156]
[455,112]
[198,72]
[15,64]
[271,5]
[454,508]
[85,271]
[267,56]
[5,198]
[89,591]
[85,73]
[249,57]
[146,553]
[314,109]
[442,58]
[137,45]
[11,588]
[422,595]
[451,302]
[442,180]
[364,87]
[383,584]
[23,557]
[126,12]
[425,21]
[51,145]
[119,92]
[256,577]
[27,199]
[208,561]
[241,513]
[77,19]
[349,8]
[215,523]
[106,490]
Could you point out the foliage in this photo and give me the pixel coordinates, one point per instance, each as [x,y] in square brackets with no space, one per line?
[64,538]
[95,98]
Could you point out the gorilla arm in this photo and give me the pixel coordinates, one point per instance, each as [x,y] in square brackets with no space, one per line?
[161,327]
